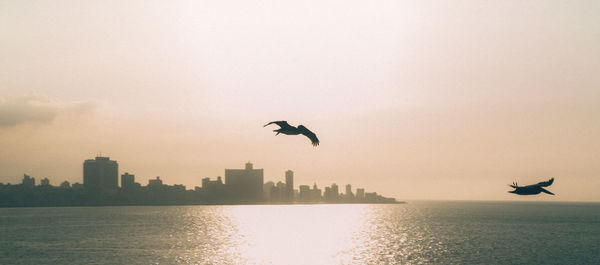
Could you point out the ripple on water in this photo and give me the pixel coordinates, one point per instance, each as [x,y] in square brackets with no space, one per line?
[414,233]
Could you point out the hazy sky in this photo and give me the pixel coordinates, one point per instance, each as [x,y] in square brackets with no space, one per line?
[412,99]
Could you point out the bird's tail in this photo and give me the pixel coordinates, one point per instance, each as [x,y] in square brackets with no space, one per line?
[546,191]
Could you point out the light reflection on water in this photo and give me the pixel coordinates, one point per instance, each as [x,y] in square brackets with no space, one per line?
[414,233]
[299,234]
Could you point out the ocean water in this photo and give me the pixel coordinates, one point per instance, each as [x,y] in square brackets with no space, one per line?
[413,233]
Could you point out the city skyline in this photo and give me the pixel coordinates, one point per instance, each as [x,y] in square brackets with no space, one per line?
[119,181]
[241,186]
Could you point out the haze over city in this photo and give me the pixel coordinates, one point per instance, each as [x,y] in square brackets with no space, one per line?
[415,100]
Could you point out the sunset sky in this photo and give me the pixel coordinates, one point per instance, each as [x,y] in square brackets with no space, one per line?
[411,99]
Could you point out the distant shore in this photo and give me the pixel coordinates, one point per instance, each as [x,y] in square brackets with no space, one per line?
[186,204]
[206,204]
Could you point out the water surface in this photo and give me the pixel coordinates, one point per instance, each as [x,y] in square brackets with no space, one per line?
[414,233]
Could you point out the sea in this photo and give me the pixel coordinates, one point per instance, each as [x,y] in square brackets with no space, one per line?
[420,232]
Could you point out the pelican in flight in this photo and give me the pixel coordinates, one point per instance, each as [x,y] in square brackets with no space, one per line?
[532,189]
[285,128]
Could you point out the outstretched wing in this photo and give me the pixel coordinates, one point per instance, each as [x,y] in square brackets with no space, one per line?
[306,132]
[545,183]
[541,184]
[546,191]
[281,124]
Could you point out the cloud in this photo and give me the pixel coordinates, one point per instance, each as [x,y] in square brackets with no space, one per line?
[38,109]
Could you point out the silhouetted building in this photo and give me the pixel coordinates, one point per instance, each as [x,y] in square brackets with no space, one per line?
[335,194]
[77,186]
[360,194]
[275,194]
[100,174]
[211,185]
[371,197]
[349,190]
[28,181]
[213,190]
[45,182]
[157,182]
[267,190]
[281,189]
[348,196]
[245,185]
[305,194]
[315,193]
[127,181]
[289,185]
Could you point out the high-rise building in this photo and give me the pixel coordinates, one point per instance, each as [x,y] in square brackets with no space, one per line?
[335,193]
[316,193]
[127,181]
[327,194]
[289,185]
[360,194]
[100,174]
[245,185]
[348,196]
[281,189]
[349,190]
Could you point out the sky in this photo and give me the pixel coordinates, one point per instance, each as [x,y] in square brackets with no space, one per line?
[434,100]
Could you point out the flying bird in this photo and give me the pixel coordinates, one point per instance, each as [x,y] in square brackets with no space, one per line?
[532,189]
[285,128]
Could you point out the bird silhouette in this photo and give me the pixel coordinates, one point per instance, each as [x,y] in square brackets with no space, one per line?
[285,128]
[532,189]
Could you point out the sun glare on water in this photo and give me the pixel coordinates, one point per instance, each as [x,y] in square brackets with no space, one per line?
[278,235]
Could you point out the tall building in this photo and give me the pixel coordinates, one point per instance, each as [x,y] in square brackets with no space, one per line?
[360,194]
[349,196]
[335,194]
[289,185]
[316,193]
[327,194]
[127,181]
[279,192]
[100,174]
[245,185]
